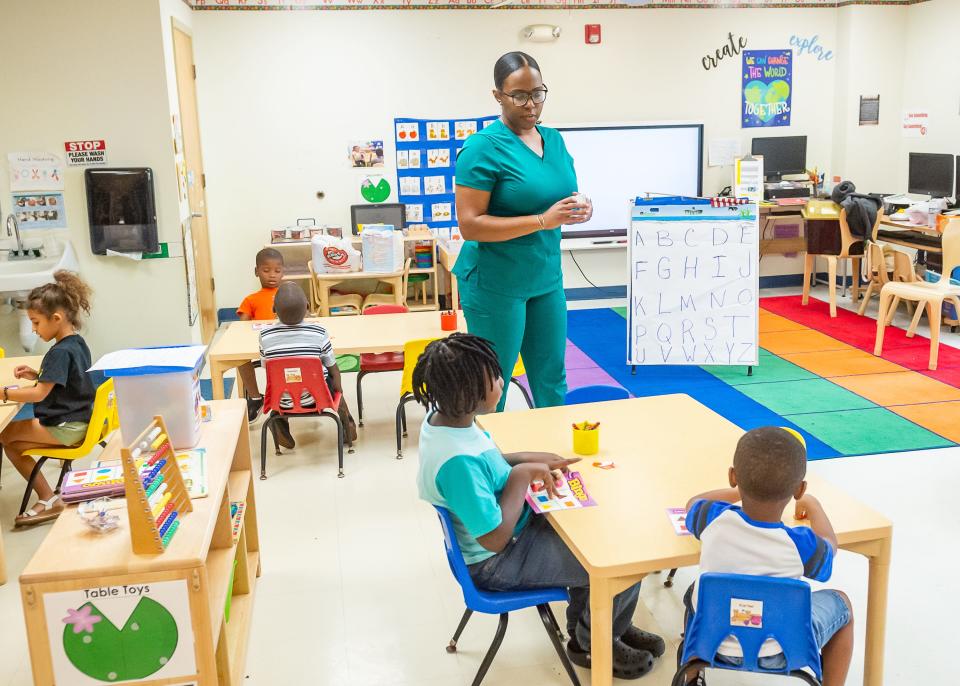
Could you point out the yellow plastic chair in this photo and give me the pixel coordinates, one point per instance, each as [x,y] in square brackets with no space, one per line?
[412,350]
[928,296]
[103,421]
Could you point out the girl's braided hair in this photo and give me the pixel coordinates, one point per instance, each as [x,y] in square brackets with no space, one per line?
[454,374]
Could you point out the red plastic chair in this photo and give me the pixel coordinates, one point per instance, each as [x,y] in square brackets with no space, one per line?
[293,375]
[375,363]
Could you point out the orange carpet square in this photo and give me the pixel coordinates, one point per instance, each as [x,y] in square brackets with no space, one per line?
[843,363]
[770,322]
[804,341]
[941,418]
[901,388]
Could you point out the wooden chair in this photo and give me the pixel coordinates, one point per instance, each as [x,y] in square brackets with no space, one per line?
[345,302]
[850,248]
[930,295]
[375,299]
[878,273]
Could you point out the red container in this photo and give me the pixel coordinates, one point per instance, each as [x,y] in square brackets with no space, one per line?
[448,321]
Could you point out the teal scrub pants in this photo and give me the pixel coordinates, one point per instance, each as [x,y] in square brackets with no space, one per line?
[534,327]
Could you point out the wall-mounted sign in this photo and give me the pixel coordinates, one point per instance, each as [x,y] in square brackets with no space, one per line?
[767,88]
[85,153]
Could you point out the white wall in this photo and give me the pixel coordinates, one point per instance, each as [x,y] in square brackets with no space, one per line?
[76,71]
[282,93]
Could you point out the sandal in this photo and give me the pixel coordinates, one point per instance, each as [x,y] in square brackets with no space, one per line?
[32,517]
[628,663]
[644,640]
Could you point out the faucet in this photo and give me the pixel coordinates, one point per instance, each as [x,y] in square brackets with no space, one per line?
[13,229]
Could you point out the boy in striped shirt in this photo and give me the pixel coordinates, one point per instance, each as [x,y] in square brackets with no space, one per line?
[293,337]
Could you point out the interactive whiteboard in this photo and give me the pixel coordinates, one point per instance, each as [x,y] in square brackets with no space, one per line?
[612,162]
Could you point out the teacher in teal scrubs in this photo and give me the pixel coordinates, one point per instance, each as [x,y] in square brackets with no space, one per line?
[516,187]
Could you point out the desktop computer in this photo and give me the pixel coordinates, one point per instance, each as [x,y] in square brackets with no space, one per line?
[782,155]
[931,174]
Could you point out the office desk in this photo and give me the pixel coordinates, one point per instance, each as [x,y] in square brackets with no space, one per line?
[770,214]
[382,333]
[7,412]
[910,235]
[628,535]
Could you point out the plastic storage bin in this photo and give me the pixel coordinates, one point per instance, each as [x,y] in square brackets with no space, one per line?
[158,381]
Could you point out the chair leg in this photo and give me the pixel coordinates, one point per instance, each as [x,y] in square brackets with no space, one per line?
[263,447]
[33,477]
[553,631]
[866,298]
[340,438]
[360,376]
[669,581]
[855,279]
[403,418]
[893,309]
[809,264]
[492,652]
[885,299]
[452,646]
[917,313]
[400,423]
[526,396]
[64,469]
[934,310]
[832,283]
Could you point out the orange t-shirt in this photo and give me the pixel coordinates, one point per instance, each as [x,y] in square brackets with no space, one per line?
[259,305]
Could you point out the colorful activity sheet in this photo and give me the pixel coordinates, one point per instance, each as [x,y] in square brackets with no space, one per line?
[571,491]
[121,633]
[426,160]
[678,517]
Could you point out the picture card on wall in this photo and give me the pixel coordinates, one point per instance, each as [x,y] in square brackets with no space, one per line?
[438,131]
[407,131]
[40,210]
[438,158]
[414,213]
[465,129]
[403,159]
[441,211]
[414,158]
[409,185]
[434,185]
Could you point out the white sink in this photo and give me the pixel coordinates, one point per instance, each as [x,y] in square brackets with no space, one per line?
[19,276]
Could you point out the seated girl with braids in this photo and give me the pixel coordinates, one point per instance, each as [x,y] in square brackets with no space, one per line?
[504,546]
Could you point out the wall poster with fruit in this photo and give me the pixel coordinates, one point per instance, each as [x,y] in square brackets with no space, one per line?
[114,634]
[426,166]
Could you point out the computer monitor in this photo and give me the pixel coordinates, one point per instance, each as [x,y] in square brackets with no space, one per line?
[781,155]
[383,213]
[931,174]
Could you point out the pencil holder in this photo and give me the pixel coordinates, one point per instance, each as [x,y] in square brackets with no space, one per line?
[448,321]
[586,441]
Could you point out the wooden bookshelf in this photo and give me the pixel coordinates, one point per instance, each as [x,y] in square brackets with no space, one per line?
[213,564]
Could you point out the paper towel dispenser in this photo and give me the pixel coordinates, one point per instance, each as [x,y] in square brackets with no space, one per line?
[122,210]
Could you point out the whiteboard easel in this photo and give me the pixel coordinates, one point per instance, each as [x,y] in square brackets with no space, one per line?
[693,291]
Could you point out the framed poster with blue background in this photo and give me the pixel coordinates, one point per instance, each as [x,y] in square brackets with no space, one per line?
[426,166]
[767,88]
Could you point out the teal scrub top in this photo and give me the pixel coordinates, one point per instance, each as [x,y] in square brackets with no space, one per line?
[520,183]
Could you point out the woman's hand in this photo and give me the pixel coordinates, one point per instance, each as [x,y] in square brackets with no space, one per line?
[583,210]
[562,212]
[25,372]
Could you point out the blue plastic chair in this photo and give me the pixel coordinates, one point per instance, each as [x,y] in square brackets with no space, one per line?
[785,618]
[500,603]
[596,394]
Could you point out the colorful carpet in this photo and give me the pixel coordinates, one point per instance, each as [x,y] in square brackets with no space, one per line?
[816,374]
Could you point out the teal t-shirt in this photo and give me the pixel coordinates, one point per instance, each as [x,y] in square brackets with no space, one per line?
[520,183]
[464,471]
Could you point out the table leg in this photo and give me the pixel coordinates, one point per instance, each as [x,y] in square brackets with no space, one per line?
[454,292]
[323,298]
[3,563]
[876,614]
[601,631]
[216,379]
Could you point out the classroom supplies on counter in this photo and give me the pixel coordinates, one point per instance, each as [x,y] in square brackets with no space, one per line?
[448,321]
[96,482]
[157,498]
[383,249]
[571,491]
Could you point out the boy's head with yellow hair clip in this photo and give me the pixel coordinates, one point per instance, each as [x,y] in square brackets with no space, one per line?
[770,464]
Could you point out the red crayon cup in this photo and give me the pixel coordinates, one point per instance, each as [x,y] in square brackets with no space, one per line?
[448,321]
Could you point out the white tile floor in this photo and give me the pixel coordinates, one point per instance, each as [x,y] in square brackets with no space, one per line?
[356,592]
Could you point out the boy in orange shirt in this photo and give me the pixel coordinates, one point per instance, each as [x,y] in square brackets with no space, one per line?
[259,306]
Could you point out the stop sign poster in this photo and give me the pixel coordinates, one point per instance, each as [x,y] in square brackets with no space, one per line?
[84,153]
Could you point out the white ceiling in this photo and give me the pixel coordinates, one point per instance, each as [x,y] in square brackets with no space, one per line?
[524,4]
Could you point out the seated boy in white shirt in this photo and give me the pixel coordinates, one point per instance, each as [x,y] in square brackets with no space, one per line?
[768,471]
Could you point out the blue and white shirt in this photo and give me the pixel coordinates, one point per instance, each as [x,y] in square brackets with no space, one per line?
[732,543]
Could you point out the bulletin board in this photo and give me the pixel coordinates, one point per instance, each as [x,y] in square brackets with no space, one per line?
[426,160]
[694,283]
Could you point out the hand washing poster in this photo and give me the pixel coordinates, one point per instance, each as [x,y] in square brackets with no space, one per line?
[121,633]
[694,284]
[767,88]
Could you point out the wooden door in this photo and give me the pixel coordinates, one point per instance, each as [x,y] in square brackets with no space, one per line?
[196,181]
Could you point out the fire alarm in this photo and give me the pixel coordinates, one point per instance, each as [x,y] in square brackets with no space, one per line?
[591,34]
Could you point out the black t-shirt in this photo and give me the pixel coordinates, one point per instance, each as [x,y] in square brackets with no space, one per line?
[71,399]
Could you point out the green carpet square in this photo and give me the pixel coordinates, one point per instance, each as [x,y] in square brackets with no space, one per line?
[622,311]
[809,395]
[770,369]
[863,432]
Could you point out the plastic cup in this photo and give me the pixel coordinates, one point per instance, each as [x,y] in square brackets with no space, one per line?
[448,321]
[586,442]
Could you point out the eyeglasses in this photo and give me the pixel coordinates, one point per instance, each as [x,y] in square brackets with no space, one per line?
[520,99]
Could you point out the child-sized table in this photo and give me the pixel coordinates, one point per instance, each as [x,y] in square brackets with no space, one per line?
[666,449]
